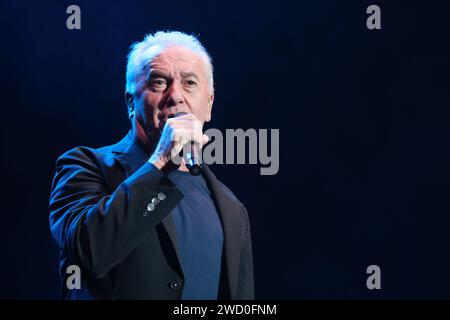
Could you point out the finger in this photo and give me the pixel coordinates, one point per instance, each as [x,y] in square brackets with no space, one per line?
[205,139]
[182,136]
[175,153]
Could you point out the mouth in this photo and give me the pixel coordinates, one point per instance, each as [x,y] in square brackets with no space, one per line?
[163,116]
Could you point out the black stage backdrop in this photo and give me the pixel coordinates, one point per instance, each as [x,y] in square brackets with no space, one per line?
[363,118]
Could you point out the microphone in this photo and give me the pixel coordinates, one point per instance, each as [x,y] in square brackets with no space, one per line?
[192,156]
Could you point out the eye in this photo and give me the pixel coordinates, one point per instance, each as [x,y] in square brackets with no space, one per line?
[191,83]
[158,83]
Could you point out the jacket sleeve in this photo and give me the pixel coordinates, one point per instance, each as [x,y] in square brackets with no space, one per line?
[246,287]
[98,228]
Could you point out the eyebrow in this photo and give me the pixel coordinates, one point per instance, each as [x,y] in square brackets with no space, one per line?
[188,74]
[157,73]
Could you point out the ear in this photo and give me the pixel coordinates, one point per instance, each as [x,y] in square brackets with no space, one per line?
[129,100]
[209,107]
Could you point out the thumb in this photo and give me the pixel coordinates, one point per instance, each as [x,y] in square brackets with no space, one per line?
[205,139]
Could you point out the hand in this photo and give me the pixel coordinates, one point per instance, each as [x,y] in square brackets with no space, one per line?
[176,133]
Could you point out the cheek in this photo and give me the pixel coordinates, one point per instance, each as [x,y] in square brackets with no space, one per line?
[150,104]
[200,109]
[145,108]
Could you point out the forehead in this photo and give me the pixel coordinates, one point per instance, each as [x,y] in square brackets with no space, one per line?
[176,59]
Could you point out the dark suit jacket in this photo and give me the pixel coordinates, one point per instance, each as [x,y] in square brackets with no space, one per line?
[98,219]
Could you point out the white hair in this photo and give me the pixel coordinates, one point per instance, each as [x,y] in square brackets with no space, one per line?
[142,52]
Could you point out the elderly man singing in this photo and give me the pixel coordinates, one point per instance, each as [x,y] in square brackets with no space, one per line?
[138,224]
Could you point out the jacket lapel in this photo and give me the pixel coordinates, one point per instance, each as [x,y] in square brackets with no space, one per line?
[230,214]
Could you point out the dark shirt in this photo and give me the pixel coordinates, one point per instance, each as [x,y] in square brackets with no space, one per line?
[199,235]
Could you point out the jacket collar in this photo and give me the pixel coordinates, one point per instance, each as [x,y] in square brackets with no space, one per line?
[129,154]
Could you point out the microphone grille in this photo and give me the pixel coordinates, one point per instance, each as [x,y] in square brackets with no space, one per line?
[178,114]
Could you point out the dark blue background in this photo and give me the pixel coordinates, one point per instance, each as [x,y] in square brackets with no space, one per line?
[363,118]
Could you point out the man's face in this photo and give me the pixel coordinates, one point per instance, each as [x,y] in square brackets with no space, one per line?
[177,81]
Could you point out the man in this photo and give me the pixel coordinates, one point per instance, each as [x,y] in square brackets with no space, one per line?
[137,223]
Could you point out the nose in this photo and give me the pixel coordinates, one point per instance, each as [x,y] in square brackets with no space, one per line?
[175,95]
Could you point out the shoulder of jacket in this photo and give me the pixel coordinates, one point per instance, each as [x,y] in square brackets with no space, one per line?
[83,151]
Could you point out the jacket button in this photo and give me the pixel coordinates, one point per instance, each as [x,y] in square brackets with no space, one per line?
[150,207]
[155,201]
[175,285]
[161,196]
